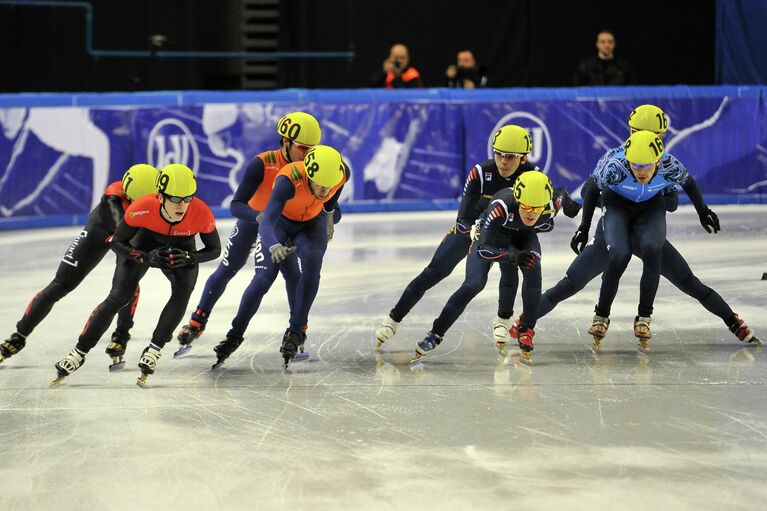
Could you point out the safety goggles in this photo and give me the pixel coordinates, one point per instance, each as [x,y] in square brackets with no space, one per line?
[534,209]
[301,146]
[508,155]
[638,166]
[179,200]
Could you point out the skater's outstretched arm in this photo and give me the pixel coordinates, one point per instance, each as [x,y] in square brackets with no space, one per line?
[708,218]
[211,247]
[251,180]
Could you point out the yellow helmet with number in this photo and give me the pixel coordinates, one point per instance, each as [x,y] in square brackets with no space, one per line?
[512,139]
[533,188]
[177,180]
[649,118]
[140,180]
[643,147]
[300,127]
[324,166]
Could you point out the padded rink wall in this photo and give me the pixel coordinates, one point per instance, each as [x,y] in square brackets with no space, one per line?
[407,150]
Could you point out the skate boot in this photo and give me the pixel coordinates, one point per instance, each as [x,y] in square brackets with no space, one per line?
[148,364]
[642,331]
[12,345]
[428,343]
[116,350]
[302,354]
[186,335]
[738,327]
[68,365]
[225,348]
[290,343]
[514,330]
[386,331]
[598,330]
[501,327]
[525,341]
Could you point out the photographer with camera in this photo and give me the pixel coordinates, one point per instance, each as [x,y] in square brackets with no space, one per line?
[465,74]
[397,73]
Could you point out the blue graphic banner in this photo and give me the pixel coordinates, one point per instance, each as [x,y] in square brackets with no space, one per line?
[405,148]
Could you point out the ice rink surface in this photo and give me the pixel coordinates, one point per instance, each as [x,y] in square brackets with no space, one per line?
[682,427]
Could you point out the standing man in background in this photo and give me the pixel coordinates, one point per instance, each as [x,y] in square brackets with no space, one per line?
[604,68]
[466,73]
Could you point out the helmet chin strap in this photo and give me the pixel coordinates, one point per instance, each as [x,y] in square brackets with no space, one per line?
[286,150]
[168,215]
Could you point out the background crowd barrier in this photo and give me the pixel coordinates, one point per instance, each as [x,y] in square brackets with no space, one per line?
[407,149]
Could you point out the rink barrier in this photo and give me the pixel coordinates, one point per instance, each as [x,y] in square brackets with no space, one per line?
[409,150]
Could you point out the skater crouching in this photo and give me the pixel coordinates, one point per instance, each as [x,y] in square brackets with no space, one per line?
[157,231]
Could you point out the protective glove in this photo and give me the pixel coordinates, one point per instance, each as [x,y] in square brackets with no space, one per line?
[159,258]
[280,252]
[569,207]
[525,259]
[709,221]
[329,226]
[581,237]
[180,258]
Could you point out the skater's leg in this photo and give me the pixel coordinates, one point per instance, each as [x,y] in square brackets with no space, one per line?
[650,230]
[311,242]
[585,267]
[126,277]
[451,251]
[83,254]
[617,230]
[182,281]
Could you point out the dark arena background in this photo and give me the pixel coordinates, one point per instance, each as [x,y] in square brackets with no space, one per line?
[367,416]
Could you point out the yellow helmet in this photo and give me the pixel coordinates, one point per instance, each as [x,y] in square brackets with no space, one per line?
[648,117]
[533,188]
[324,166]
[512,139]
[300,127]
[643,147]
[177,180]
[140,180]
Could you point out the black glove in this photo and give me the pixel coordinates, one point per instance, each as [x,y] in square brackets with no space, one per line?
[581,237]
[159,258]
[569,207]
[523,258]
[709,221]
[180,258]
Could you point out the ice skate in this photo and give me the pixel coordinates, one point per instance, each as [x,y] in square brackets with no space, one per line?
[186,335]
[12,345]
[501,328]
[301,354]
[598,330]
[290,344]
[68,365]
[514,330]
[225,348]
[386,331]
[739,328]
[428,343]
[147,364]
[642,331]
[116,350]
[525,341]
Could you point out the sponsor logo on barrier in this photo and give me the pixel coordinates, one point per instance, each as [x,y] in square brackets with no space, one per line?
[541,155]
[171,141]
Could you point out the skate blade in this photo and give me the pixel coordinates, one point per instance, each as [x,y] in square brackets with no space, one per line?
[182,351]
[56,381]
[2,358]
[301,356]
[217,365]
[501,347]
[117,366]
[141,381]
[526,358]
[643,345]
[597,344]
[379,343]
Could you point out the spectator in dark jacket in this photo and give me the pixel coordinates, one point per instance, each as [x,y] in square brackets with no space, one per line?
[604,68]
